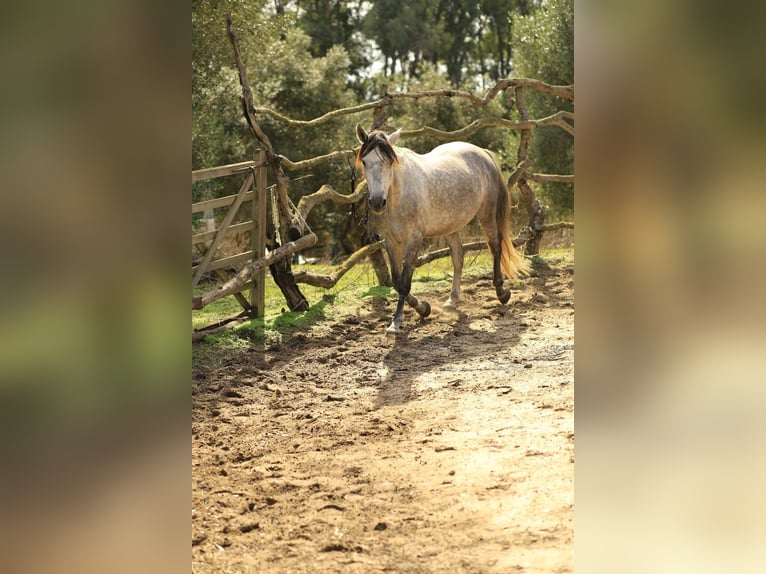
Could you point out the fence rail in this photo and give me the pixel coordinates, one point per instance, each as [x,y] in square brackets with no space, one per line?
[223,170]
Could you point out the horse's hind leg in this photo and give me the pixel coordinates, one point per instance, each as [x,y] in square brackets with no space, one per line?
[456,251]
[495,245]
[495,241]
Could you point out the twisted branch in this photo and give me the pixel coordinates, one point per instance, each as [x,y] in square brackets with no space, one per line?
[564,92]
[327,281]
[557,119]
[314,161]
[326,192]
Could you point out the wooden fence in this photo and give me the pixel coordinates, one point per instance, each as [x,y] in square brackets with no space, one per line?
[252,192]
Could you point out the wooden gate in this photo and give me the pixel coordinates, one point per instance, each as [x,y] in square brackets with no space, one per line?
[208,242]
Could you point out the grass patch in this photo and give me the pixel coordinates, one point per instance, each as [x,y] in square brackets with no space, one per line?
[324,304]
[346,297]
[216,311]
[289,319]
[380,292]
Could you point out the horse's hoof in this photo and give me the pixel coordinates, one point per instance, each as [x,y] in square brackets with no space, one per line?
[504,296]
[392,329]
[427,310]
[449,304]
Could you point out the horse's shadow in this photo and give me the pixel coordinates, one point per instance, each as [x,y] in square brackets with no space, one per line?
[418,350]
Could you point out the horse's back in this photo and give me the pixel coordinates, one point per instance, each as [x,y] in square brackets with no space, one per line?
[452,151]
[462,179]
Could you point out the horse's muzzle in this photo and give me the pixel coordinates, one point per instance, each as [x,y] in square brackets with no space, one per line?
[377,206]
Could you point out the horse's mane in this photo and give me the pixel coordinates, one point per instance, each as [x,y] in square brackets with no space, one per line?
[377,140]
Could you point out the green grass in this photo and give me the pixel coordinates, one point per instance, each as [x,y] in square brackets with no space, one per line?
[379,291]
[277,318]
[358,284]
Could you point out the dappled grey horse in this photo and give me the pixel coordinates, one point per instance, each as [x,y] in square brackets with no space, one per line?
[437,194]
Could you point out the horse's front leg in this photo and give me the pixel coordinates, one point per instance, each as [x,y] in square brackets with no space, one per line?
[456,251]
[403,284]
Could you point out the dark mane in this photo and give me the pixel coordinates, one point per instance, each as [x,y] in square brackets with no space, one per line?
[377,140]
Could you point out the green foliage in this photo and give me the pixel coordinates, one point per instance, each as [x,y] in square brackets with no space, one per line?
[496,43]
[334,23]
[219,132]
[466,37]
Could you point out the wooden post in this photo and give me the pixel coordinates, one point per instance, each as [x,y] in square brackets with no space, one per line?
[258,234]
[380,113]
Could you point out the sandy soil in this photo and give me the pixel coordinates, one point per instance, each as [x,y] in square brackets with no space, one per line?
[449,448]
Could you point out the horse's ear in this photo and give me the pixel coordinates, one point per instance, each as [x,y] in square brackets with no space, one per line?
[361,135]
[394,136]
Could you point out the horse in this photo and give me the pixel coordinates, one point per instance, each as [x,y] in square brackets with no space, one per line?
[414,196]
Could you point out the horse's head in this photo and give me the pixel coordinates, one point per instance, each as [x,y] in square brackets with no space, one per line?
[378,159]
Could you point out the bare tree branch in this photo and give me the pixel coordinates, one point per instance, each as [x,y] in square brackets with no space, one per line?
[552,120]
[314,161]
[318,120]
[564,92]
[439,253]
[247,93]
[518,172]
[327,281]
[245,274]
[556,119]
[307,202]
[549,177]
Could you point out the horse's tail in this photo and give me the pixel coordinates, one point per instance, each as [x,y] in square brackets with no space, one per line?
[511,262]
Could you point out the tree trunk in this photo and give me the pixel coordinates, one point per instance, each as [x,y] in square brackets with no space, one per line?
[536,224]
[282,273]
[281,270]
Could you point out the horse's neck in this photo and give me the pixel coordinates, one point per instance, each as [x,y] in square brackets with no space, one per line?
[403,171]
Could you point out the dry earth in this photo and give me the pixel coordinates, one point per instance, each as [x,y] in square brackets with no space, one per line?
[449,448]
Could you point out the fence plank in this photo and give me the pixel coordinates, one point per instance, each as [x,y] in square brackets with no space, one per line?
[222,170]
[244,303]
[222,230]
[220,202]
[230,261]
[208,235]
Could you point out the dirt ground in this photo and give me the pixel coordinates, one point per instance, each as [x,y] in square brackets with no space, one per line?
[448,448]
